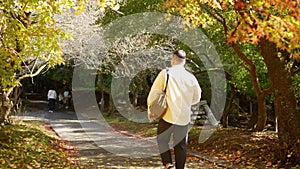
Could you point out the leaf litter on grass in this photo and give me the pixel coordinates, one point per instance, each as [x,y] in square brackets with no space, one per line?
[235,146]
[239,147]
[29,145]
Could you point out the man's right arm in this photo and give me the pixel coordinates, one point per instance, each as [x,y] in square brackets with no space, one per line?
[197,92]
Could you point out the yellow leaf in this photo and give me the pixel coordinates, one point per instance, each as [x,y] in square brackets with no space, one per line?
[8,64]
[269,164]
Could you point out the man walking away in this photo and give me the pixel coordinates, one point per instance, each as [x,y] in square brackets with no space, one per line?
[183,91]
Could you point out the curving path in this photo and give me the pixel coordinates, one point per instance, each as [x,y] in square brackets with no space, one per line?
[100,146]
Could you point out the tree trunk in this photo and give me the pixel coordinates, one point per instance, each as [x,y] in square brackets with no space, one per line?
[16,100]
[229,106]
[284,101]
[134,96]
[262,109]
[254,118]
[102,102]
[111,107]
[106,103]
[262,113]
[261,94]
[5,107]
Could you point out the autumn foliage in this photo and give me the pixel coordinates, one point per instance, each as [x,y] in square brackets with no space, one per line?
[276,20]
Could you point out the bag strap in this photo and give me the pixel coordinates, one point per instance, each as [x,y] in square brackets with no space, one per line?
[166,82]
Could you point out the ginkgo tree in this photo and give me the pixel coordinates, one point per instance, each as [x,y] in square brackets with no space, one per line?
[273,26]
[30,40]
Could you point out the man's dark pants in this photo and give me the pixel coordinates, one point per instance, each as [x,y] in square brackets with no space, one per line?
[164,132]
[51,104]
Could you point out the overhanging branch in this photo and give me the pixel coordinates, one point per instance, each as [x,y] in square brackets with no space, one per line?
[37,72]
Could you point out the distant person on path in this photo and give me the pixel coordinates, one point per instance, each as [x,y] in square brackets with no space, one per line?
[67,98]
[182,92]
[52,99]
[60,100]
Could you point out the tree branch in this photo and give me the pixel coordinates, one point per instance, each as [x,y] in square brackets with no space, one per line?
[267,91]
[251,66]
[211,14]
[9,91]
[295,71]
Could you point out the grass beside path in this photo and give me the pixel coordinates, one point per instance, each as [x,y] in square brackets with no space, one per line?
[31,145]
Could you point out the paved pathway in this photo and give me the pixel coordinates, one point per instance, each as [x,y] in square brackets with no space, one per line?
[99,145]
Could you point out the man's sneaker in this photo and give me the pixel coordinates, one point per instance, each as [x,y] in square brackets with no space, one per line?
[169,166]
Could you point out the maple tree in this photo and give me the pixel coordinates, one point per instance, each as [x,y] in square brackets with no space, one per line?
[273,26]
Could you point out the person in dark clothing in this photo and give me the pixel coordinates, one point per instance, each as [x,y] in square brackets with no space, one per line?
[52,99]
